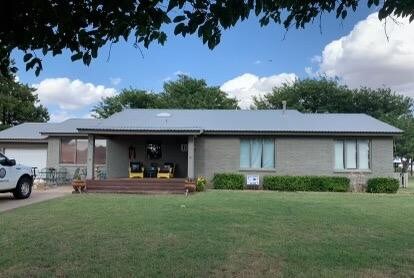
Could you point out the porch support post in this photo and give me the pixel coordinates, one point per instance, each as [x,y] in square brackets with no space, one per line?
[90,163]
[190,156]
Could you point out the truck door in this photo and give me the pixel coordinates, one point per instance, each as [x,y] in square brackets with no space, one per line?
[8,174]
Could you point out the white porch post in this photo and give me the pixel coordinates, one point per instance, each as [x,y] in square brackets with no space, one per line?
[90,163]
[190,156]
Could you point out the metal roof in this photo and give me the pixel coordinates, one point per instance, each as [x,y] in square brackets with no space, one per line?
[40,131]
[25,131]
[222,121]
[173,121]
[70,126]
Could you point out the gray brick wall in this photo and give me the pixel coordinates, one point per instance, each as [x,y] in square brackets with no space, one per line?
[294,156]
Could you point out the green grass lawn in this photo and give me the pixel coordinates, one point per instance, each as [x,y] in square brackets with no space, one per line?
[217,233]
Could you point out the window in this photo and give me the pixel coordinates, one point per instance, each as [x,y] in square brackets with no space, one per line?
[75,151]
[154,150]
[257,153]
[352,154]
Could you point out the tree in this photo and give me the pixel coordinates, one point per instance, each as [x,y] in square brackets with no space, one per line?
[185,92]
[191,93]
[18,104]
[83,27]
[327,95]
[404,144]
[128,98]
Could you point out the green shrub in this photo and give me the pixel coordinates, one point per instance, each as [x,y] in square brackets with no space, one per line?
[201,184]
[382,185]
[228,181]
[306,183]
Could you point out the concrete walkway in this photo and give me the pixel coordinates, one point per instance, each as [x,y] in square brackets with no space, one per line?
[7,202]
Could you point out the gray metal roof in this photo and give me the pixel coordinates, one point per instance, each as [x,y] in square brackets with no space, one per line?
[222,121]
[70,126]
[25,131]
[207,121]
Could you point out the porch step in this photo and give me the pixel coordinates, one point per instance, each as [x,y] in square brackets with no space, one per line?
[139,186]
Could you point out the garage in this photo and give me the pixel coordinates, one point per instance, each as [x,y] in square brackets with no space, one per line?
[35,157]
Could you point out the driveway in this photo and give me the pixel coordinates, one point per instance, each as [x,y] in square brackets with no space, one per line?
[7,202]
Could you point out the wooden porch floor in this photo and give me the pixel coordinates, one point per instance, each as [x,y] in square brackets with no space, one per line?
[138,186]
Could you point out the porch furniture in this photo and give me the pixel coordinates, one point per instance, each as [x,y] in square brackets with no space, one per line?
[48,175]
[152,171]
[136,170]
[62,176]
[100,172]
[166,171]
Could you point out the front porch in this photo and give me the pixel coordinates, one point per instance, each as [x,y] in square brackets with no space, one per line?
[149,150]
[143,186]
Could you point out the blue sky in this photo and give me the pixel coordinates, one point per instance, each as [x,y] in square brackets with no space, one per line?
[247,48]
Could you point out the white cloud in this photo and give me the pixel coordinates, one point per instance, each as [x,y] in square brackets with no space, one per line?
[365,57]
[115,80]
[247,85]
[60,116]
[257,62]
[70,94]
[179,72]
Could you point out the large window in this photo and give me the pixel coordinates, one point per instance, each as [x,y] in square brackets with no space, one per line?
[352,154]
[75,151]
[257,153]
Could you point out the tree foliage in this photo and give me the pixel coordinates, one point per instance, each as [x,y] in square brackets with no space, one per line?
[18,104]
[327,95]
[183,93]
[191,93]
[83,27]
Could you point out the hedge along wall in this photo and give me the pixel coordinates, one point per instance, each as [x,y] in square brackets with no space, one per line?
[383,185]
[228,181]
[306,183]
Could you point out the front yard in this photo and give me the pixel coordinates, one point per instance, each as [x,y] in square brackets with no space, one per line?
[218,233]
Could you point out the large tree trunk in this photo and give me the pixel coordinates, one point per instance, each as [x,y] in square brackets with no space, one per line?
[405,165]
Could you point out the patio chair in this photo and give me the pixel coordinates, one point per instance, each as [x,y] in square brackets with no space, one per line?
[166,171]
[136,170]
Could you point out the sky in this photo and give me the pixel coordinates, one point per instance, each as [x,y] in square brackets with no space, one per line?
[249,61]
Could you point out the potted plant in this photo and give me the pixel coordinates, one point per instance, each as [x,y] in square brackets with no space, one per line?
[78,184]
[190,185]
[201,184]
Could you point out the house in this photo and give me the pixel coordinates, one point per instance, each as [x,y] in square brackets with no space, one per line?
[204,142]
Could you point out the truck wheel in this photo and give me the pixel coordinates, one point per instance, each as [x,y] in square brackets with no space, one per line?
[23,188]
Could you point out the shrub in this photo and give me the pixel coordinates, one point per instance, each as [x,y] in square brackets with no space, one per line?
[306,183]
[228,181]
[201,184]
[382,185]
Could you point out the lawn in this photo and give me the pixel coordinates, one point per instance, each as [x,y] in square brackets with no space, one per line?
[218,233]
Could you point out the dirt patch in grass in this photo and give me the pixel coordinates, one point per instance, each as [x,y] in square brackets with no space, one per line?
[250,264]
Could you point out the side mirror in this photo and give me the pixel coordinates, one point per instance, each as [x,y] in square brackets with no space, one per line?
[12,162]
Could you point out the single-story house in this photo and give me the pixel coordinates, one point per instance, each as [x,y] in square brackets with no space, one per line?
[205,142]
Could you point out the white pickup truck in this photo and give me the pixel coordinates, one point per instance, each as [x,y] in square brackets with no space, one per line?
[15,178]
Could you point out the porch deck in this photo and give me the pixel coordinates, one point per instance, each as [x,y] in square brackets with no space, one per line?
[138,186]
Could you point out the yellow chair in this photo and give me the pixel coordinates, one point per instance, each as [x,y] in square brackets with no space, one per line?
[166,171]
[136,170]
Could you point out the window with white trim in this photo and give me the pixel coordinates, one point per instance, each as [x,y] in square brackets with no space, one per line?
[352,154]
[257,153]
